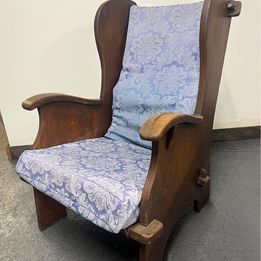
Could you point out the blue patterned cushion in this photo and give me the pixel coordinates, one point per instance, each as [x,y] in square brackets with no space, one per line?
[160,68]
[100,179]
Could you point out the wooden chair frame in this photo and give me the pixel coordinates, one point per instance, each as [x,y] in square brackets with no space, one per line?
[180,164]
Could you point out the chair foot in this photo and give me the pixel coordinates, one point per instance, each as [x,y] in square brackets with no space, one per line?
[203,198]
[48,210]
[154,251]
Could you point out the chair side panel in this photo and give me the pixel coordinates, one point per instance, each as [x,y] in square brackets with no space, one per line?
[215,25]
[111,25]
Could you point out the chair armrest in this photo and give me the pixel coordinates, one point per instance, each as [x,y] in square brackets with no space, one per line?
[156,127]
[45,98]
[177,142]
[64,118]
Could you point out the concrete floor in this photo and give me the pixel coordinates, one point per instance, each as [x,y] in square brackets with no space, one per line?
[227,229]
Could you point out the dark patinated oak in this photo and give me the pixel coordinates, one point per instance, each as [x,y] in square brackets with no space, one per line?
[180,164]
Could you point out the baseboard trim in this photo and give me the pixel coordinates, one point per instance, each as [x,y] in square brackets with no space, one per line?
[13,153]
[231,134]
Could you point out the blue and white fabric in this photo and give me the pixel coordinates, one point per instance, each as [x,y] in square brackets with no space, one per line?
[160,68]
[101,179]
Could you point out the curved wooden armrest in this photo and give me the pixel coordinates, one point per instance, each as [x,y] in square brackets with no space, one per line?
[156,127]
[45,98]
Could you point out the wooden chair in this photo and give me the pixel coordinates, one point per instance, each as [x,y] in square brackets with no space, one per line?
[179,171]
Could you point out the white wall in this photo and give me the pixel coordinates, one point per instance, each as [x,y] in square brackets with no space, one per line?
[48,46]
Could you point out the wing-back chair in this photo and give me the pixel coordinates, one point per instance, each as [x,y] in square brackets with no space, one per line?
[133,160]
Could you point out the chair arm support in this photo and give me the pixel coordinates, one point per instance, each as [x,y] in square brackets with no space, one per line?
[156,127]
[175,164]
[45,98]
[64,118]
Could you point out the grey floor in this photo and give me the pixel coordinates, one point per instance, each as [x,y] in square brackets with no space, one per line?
[227,229]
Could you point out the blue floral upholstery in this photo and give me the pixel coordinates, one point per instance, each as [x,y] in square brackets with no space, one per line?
[160,68]
[100,179]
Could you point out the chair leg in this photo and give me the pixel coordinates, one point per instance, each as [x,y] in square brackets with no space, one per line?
[154,251]
[204,193]
[48,210]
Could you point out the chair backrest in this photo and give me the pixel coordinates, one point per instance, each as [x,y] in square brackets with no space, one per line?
[161,68]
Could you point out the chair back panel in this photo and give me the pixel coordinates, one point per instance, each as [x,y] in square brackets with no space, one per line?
[161,66]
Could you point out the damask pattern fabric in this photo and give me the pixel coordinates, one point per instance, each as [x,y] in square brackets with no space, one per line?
[160,68]
[101,179]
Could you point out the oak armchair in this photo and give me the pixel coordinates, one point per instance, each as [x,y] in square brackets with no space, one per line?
[137,157]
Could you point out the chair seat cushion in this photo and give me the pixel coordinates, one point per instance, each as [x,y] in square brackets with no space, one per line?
[101,179]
